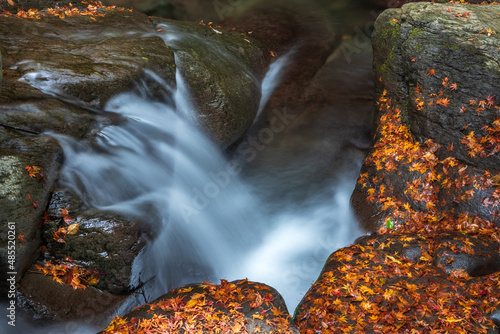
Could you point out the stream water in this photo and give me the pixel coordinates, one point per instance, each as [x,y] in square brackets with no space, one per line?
[217,219]
[160,166]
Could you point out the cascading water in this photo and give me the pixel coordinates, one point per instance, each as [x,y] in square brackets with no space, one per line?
[156,164]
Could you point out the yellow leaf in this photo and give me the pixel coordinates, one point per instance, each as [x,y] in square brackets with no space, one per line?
[93,281]
[394,259]
[425,257]
[73,228]
[192,303]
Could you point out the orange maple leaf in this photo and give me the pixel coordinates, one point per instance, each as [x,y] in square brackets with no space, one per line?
[60,235]
[32,170]
[443,101]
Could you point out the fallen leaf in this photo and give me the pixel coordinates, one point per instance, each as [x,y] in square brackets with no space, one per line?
[73,228]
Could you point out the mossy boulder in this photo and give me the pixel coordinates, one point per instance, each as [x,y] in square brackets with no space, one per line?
[222,71]
[436,73]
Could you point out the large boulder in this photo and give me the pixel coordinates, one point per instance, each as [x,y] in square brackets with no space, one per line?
[230,307]
[406,282]
[430,183]
[82,58]
[437,153]
[42,300]
[23,198]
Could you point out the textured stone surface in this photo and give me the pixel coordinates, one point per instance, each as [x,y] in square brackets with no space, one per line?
[441,70]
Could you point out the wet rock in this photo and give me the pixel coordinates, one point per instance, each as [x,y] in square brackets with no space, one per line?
[236,307]
[84,61]
[222,71]
[44,300]
[80,59]
[104,242]
[436,77]
[372,286]
[108,246]
[51,115]
[23,198]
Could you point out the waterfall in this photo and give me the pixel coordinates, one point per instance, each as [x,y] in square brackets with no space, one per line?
[157,164]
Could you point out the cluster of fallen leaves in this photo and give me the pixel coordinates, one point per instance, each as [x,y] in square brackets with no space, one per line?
[438,184]
[484,146]
[64,271]
[208,308]
[368,289]
[94,8]
[69,227]
[34,171]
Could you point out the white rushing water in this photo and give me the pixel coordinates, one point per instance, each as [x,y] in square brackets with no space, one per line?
[158,165]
